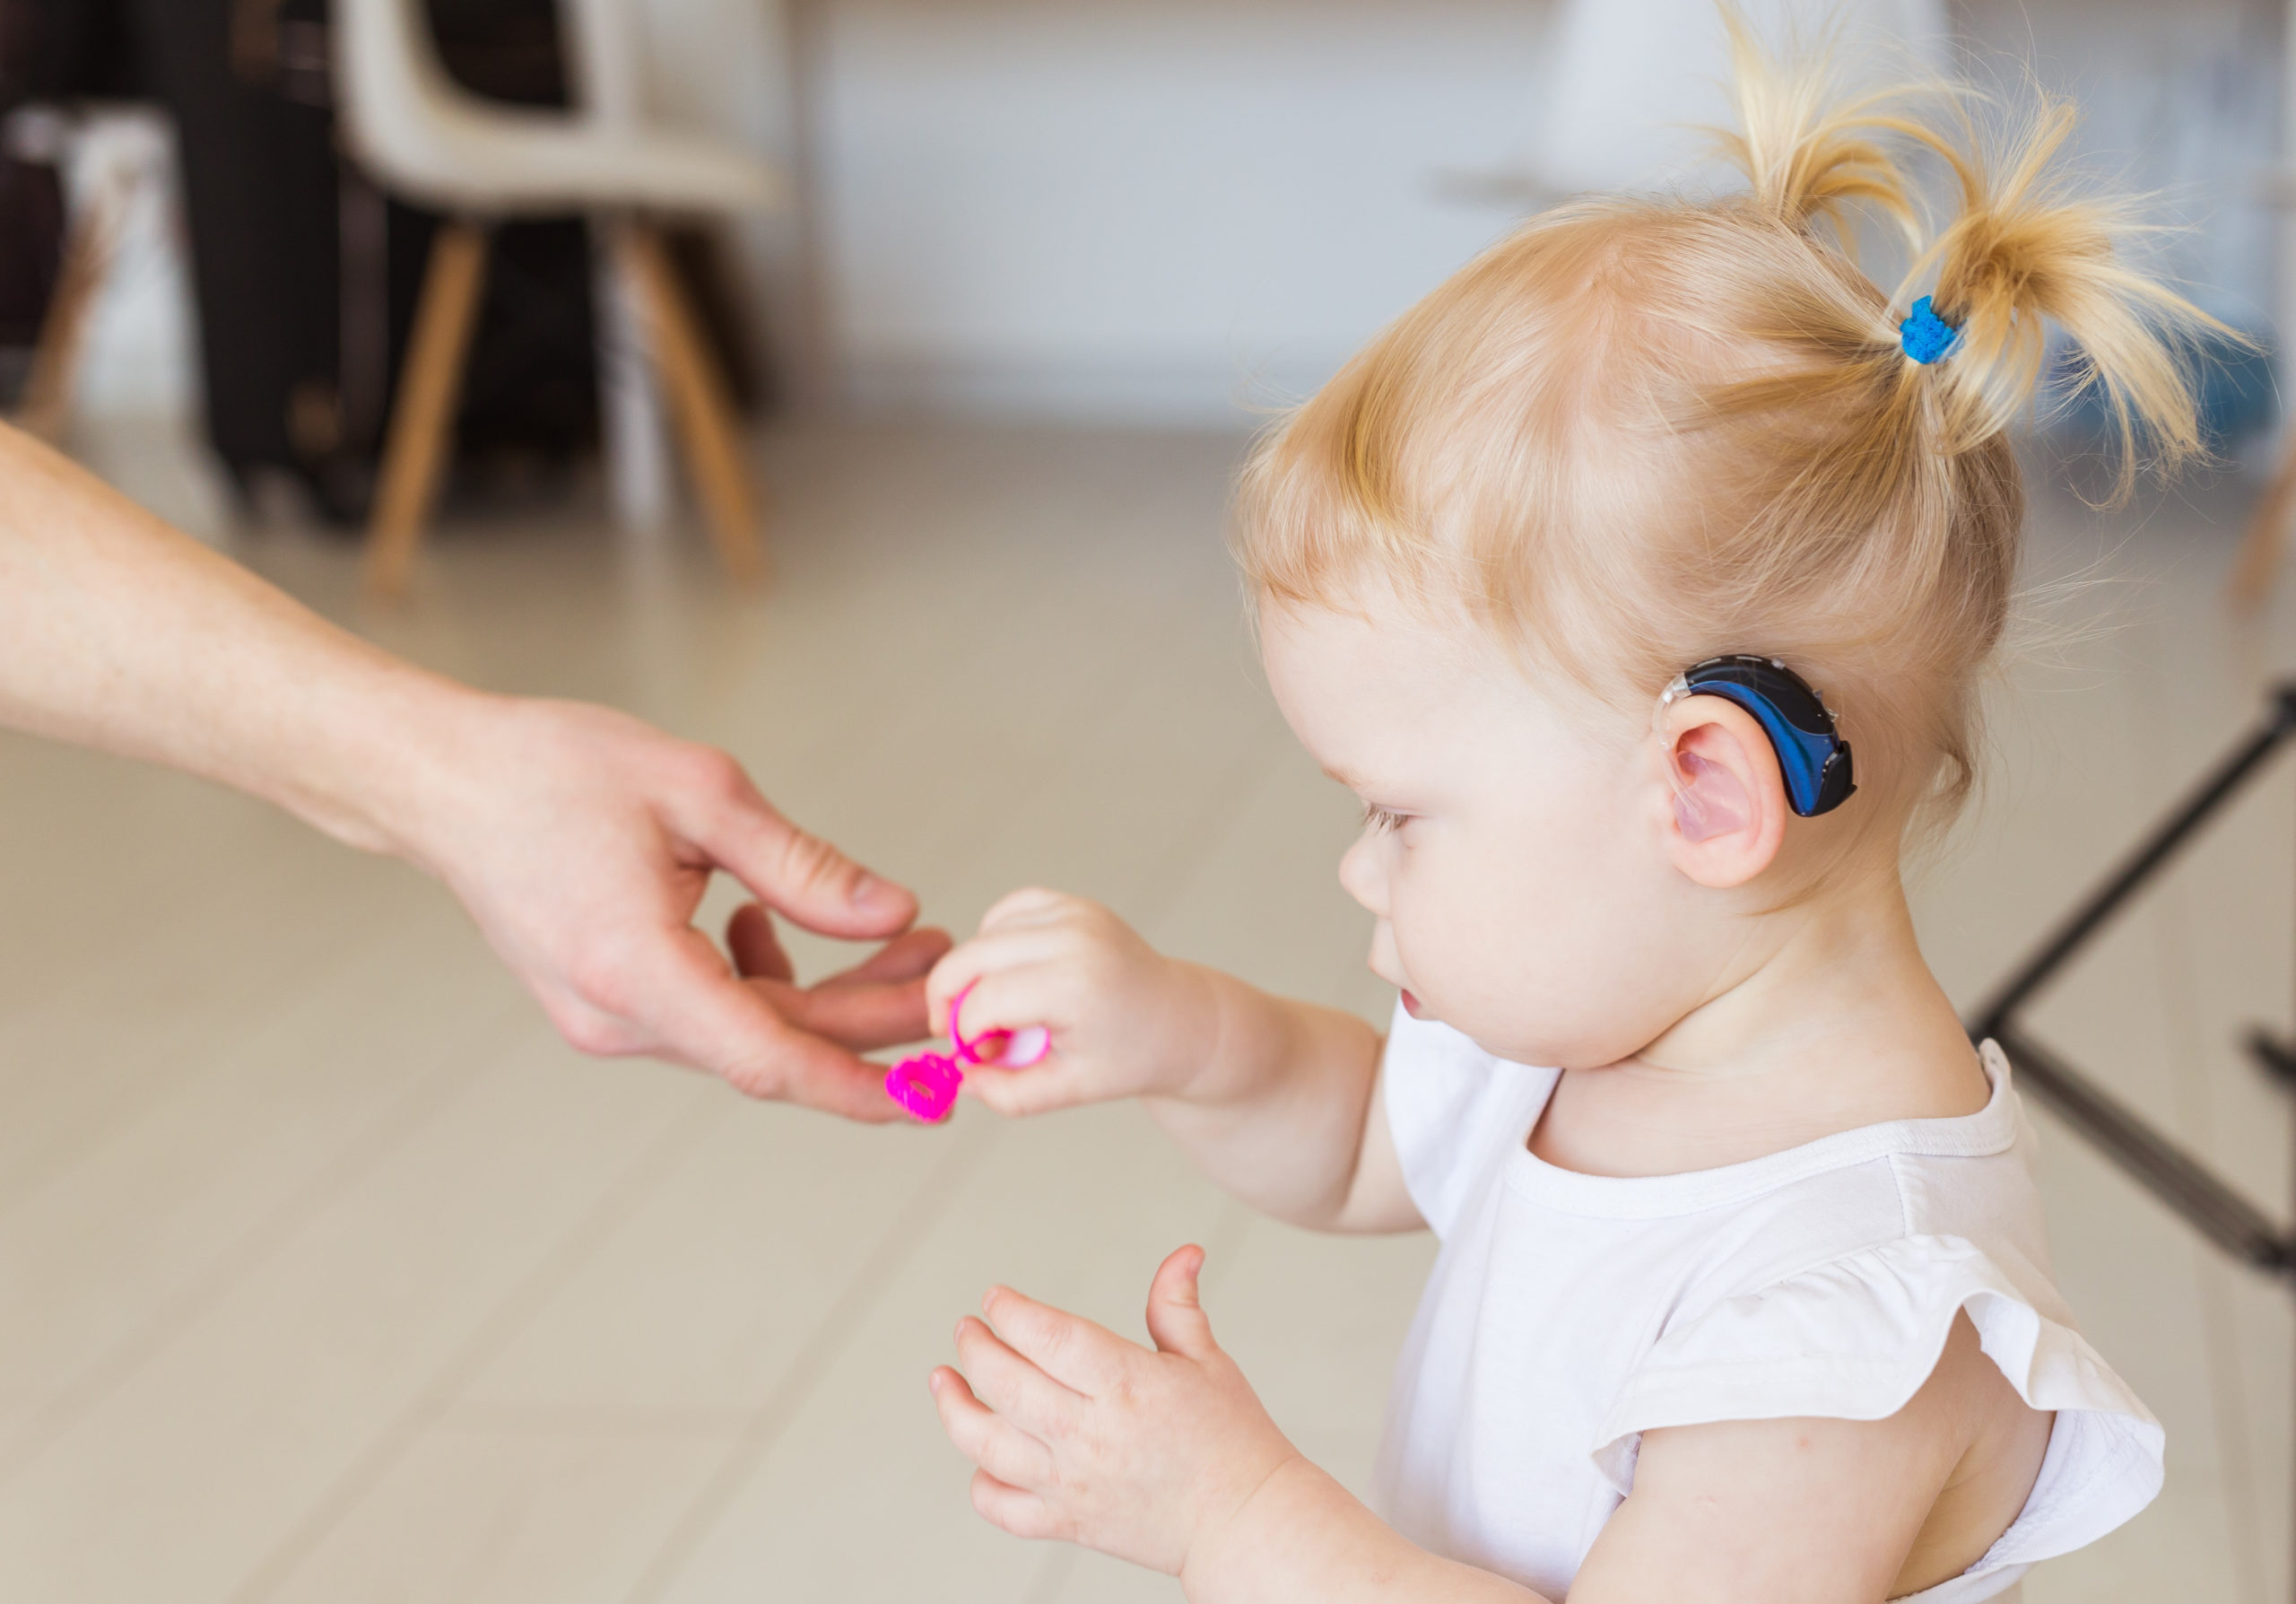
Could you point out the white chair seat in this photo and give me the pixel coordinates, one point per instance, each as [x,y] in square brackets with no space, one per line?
[428,139]
[508,160]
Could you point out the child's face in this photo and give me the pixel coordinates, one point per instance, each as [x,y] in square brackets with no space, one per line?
[1514,843]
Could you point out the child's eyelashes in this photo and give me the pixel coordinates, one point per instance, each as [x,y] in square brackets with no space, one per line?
[1381,820]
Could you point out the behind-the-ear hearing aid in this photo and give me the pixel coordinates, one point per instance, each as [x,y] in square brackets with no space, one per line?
[1812,756]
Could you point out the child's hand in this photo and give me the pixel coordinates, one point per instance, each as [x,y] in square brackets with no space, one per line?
[1083,1436]
[1124,1020]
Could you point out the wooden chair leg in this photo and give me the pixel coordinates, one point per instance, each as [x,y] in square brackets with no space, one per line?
[2266,542]
[45,408]
[700,407]
[428,390]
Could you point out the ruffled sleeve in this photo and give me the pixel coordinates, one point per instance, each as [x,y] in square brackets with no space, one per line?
[1855,1338]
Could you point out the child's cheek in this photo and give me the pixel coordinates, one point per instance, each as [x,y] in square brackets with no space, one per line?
[1437,945]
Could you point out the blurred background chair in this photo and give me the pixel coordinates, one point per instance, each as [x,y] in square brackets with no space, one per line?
[107,156]
[423,138]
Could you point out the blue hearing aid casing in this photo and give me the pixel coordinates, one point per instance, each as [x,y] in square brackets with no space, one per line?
[1812,756]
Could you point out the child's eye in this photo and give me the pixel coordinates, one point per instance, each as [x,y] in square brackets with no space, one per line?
[1382,819]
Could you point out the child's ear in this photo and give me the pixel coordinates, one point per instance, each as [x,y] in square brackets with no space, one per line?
[1729,800]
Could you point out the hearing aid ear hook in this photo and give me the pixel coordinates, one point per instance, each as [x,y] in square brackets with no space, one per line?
[1812,759]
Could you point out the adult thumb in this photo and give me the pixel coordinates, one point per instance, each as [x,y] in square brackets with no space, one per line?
[799,875]
[1176,1317]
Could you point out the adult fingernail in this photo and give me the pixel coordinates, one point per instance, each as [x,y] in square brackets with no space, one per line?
[868,889]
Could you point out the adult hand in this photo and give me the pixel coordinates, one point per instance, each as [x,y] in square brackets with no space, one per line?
[582,840]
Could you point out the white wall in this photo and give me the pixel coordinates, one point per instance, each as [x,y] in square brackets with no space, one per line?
[1170,209]
[2181,101]
[1157,209]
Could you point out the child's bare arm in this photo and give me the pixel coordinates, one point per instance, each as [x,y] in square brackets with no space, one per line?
[1285,1113]
[1276,1100]
[1167,1459]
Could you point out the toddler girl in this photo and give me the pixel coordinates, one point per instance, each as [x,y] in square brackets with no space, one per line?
[1745,1297]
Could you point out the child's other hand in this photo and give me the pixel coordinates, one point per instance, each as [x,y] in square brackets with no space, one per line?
[1124,1020]
[1083,1436]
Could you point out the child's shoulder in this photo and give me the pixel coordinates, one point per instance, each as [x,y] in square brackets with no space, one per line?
[1458,1113]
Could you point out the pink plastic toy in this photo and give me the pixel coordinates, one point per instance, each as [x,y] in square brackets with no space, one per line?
[926,1084]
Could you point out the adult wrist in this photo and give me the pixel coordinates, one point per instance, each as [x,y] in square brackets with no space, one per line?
[392,749]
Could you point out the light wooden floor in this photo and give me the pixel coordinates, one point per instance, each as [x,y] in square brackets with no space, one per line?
[327,1275]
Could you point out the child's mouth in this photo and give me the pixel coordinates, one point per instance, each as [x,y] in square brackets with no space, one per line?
[1410,1003]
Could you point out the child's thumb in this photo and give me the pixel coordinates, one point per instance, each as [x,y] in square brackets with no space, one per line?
[1176,1319]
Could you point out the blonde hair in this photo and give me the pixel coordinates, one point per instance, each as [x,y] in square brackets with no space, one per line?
[1641,431]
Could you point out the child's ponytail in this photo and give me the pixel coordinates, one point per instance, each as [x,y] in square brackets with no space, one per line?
[2028,249]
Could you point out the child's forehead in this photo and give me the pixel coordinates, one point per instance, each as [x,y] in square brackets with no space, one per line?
[1377,635]
[1388,673]
[1437,643]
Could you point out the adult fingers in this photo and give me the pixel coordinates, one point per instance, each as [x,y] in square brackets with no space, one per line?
[879,1002]
[1011,1385]
[757,953]
[797,873]
[697,1013]
[817,1074]
[985,1438]
[906,957]
[756,946]
[1176,1317]
[1012,1509]
[1079,1356]
[858,1017]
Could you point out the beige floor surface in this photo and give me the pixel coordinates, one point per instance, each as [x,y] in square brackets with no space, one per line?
[330,1276]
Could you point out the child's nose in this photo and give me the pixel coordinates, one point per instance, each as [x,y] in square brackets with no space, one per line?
[1361,877]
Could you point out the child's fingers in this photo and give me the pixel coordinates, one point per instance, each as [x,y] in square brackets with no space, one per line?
[1011,1385]
[984,1437]
[1176,1317]
[1030,905]
[964,971]
[1018,1093]
[1011,999]
[1074,1352]
[1012,1509]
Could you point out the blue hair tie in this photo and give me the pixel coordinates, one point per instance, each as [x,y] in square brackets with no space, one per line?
[1926,336]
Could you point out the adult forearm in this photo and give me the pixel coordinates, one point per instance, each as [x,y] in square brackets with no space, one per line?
[1277,1113]
[1301,1535]
[125,634]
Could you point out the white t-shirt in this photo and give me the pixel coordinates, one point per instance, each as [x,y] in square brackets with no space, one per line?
[1569,1313]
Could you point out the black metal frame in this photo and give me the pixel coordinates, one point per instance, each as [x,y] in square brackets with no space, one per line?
[2205,1200]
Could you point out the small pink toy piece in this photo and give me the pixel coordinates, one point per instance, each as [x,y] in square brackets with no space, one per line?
[926,1084]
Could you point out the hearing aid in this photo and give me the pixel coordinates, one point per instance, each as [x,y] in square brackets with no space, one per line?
[1812,759]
